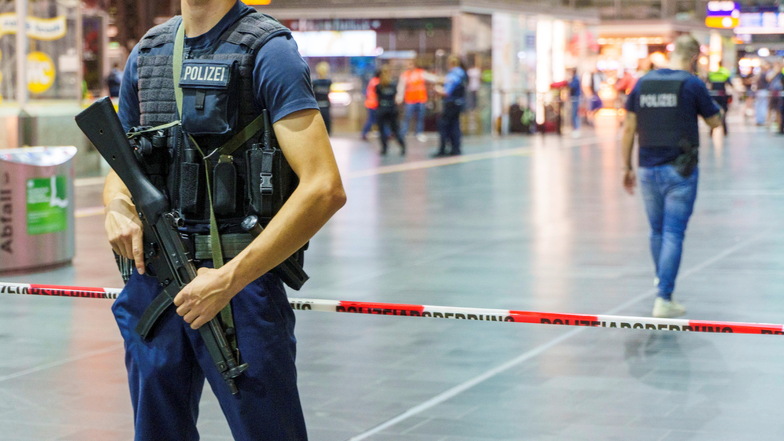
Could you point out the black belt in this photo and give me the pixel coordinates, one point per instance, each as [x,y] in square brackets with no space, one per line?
[231,244]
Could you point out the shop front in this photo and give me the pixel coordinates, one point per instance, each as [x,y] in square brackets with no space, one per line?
[634,48]
[509,51]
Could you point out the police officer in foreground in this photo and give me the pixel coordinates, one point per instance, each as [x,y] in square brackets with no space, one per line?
[663,111]
[226,79]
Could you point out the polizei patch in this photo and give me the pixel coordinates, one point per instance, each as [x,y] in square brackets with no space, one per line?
[659,100]
[205,74]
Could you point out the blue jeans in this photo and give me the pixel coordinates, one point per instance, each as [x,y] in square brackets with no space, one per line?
[419,109]
[575,100]
[370,122]
[669,201]
[761,102]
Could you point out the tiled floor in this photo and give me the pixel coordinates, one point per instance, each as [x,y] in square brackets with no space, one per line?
[528,223]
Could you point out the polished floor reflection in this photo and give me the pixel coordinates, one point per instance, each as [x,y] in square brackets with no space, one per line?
[529,223]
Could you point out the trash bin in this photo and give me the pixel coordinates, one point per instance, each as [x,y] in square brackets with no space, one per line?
[36,207]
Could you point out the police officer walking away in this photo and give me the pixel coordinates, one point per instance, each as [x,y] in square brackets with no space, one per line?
[662,110]
[234,62]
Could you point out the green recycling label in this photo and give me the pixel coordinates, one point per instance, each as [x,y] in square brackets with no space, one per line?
[47,203]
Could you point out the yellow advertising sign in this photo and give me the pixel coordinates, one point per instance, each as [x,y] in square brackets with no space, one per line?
[40,72]
[719,22]
[37,28]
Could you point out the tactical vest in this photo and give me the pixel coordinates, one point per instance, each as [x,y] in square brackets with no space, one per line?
[386,97]
[416,86]
[659,115]
[216,85]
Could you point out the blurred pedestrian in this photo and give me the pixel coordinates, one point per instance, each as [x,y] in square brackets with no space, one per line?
[321,87]
[624,87]
[113,81]
[387,114]
[371,104]
[592,83]
[775,87]
[663,111]
[575,91]
[718,83]
[453,93]
[412,92]
[474,84]
[762,94]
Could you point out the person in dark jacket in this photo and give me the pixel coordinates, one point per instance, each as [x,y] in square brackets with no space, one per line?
[321,87]
[387,112]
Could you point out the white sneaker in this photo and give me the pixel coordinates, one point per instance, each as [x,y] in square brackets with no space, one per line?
[667,309]
[421,137]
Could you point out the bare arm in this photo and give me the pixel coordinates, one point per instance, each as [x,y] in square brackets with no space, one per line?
[627,147]
[122,224]
[319,195]
[401,89]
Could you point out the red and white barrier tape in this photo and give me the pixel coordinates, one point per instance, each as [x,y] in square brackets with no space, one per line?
[450,312]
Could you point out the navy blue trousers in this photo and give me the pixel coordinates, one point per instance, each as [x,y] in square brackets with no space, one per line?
[449,129]
[166,375]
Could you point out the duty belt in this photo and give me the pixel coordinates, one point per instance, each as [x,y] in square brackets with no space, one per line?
[232,245]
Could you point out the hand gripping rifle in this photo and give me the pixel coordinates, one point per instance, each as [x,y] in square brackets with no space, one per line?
[166,255]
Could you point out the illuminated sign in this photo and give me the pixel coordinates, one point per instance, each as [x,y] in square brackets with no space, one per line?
[37,28]
[40,72]
[722,14]
[767,22]
[336,44]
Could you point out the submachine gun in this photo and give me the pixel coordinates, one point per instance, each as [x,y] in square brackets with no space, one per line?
[166,254]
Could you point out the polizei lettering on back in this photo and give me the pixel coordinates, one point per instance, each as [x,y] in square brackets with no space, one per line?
[658,100]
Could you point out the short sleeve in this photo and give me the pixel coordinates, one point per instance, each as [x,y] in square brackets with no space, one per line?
[281,79]
[632,100]
[706,106]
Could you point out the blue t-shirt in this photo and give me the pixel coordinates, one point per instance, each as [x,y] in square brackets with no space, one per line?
[454,84]
[282,87]
[574,87]
[694,101]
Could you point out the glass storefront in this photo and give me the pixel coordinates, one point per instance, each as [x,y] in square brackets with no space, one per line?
[52,57]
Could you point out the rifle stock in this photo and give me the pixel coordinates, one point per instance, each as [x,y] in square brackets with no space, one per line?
[102,127]
[166,255]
